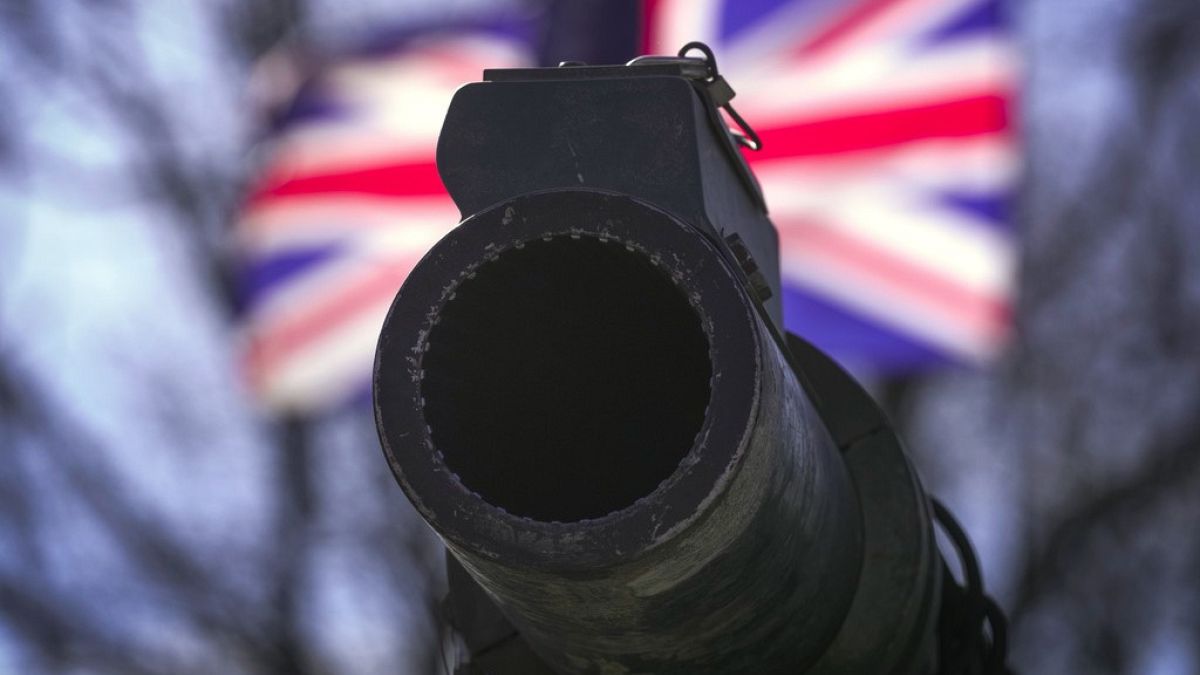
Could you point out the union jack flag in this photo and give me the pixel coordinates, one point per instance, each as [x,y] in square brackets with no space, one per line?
[349,201]
[888,163]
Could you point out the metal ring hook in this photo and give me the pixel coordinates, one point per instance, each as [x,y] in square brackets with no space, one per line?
[709,58]
[745,135]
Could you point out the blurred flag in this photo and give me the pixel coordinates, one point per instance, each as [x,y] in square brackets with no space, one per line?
[888,163]
[348,201]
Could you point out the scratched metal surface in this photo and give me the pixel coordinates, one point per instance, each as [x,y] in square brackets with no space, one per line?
[709,572]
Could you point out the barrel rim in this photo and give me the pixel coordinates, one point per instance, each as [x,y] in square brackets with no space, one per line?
[469,524]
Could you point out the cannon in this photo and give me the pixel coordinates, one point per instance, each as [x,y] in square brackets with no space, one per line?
[587,391]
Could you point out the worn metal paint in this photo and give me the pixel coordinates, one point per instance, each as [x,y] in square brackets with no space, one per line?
[668,584]
[750,557]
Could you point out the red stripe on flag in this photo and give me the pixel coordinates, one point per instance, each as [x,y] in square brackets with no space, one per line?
[986,314]
[285,338]
[648,26]
[392,180]
[987,113]
[845,26]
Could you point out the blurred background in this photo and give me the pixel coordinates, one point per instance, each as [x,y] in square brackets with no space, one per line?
[988,210]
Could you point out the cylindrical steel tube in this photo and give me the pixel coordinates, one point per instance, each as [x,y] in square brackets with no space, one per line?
[574,390]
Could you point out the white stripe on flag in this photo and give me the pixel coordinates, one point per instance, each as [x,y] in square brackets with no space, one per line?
[287,223]
[874,79]
[983,163]
[679,22]
[328,370]
[973,335]
[947,243]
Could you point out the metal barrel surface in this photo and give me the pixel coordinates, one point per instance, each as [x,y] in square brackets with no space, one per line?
[575,391]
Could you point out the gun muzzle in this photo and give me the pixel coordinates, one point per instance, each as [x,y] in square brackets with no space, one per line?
[586,391]
[577,394]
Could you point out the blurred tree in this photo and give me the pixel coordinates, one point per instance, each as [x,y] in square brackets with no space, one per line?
[151,523]
[1077,462]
